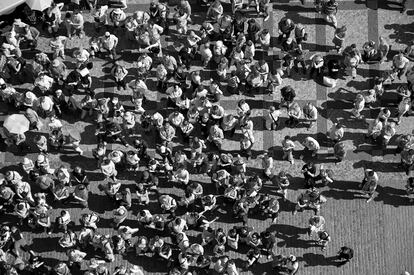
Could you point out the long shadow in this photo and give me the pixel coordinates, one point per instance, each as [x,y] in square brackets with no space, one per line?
[290,236]
[392,196]
[402,32]
[312,259]
[100,203]
[386,167]
[45,244]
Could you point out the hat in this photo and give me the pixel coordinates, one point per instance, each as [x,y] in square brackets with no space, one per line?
[46,103]
[107,34]
[163,149]
[115,100]
[292,258]
[224,157]
[40,158]
[58,92]
[162,7]
[318,58]
[27,163]
[29,98]
[239,161]
[121,211]
[117,11]
[55,62]
[289,40]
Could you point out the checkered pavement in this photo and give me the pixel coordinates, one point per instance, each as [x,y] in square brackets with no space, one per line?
[379,232]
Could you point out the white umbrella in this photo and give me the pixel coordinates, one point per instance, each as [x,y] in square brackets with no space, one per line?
[39,5]
[16,124]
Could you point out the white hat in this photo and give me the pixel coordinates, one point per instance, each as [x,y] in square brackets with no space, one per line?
[40,158]
[46,103]
[26,162]
[121,211]
[163,149]
[107,34]
[55,62]
[29,98]
[117,10]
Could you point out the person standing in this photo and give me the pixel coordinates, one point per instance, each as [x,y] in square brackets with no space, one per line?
[344,255]
[119,73]
[329,10]
[288,146]
[369,184]
[57,44]
[109,43]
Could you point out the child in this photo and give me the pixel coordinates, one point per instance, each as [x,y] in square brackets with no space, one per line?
[403,108]
[281,182]
[323,239]
[383,48]
[339,38]
[325,175]
[58,46]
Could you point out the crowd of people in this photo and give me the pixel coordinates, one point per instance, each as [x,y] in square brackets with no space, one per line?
[188,134]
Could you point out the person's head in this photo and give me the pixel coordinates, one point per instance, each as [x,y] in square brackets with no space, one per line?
[106,161]
[249,43]
[62,213]
[292,258]
[342,29]
[371,173]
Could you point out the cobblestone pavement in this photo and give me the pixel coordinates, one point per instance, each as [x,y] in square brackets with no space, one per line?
[380,232]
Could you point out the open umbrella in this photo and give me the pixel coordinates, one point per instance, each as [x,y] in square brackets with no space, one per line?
[16,124]
[39,5]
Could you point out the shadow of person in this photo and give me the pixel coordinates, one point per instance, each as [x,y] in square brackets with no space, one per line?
[312,259]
